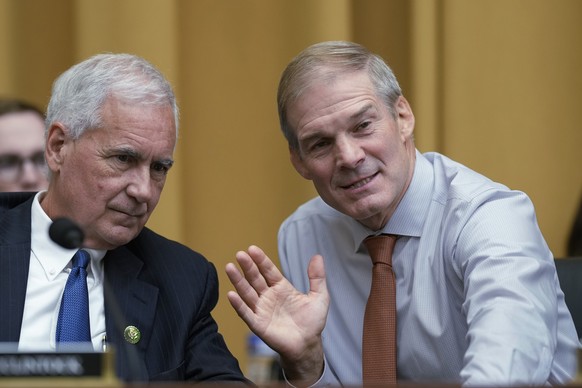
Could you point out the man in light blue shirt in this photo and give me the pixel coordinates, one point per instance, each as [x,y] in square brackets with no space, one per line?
[478,298]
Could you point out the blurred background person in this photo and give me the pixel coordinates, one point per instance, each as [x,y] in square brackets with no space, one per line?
[22,163]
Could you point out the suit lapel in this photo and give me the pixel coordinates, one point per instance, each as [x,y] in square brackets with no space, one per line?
[129,301]
[14,265]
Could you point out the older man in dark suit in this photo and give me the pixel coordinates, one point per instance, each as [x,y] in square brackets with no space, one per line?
[111,132]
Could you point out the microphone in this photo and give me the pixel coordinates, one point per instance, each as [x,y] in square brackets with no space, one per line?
[66,233]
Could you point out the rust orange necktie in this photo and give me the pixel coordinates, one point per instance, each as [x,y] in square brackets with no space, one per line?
[379,337]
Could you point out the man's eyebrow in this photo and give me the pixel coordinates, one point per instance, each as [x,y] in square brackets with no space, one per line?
[362,111]
[166,162]
[134,154]
[126,151]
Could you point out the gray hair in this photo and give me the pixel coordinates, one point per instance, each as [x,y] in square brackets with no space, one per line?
[326,61]
[78,95]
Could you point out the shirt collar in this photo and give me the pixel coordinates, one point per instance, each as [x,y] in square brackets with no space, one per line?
[409,217]
[52,257]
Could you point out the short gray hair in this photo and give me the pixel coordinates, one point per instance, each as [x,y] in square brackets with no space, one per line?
[78,95]
[327,60]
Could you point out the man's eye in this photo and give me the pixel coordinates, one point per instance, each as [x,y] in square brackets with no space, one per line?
[320,144]
[10,160]
[123,158]
[363,126]
[160,168]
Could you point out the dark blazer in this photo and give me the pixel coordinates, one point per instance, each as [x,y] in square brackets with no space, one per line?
[162,287]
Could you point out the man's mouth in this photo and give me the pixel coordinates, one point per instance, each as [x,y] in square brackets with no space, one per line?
[129,213]
[359,183]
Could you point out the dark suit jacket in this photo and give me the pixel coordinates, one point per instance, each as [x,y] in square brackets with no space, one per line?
[163,288]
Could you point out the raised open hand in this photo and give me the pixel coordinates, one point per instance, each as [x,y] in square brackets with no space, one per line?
[287,320]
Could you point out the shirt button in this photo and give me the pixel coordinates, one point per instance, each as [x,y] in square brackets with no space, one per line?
[52,271]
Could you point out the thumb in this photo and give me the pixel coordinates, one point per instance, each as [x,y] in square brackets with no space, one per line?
[316,274]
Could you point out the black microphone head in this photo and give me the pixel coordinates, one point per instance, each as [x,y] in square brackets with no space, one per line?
[66,233]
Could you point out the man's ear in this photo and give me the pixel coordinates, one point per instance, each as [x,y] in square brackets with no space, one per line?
[54,149]
[299,163]
[404,117]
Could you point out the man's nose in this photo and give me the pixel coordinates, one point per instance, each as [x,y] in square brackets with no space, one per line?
[140,186]
[349,153]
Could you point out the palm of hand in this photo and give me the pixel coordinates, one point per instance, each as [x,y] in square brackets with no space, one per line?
[287,319]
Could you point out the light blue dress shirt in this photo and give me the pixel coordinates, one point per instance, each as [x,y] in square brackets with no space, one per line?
[478,298]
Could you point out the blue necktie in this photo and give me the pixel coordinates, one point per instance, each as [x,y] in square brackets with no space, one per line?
[73,323]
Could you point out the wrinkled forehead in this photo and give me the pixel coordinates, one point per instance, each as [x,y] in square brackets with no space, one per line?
[21,133]
[322,74]
[149,102]
[330,93]
[19,120]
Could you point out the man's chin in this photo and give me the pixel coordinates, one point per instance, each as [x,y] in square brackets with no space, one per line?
[373,217]
[119,235]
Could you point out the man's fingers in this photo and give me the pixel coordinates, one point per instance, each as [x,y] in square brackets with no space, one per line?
[251,271]
[241,308]
[244,289]
[268,269]
[257,273]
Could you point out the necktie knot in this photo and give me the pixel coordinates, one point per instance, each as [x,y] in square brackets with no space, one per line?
[380,248]
[81,259]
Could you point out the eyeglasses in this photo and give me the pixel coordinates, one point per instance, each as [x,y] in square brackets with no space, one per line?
[11,165]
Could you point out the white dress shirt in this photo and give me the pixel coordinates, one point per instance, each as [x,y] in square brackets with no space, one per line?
[50,265]
[478,298]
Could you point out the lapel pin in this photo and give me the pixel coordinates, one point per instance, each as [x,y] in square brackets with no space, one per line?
[132,334]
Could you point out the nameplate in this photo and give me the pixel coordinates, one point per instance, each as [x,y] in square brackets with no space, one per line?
[57,367]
